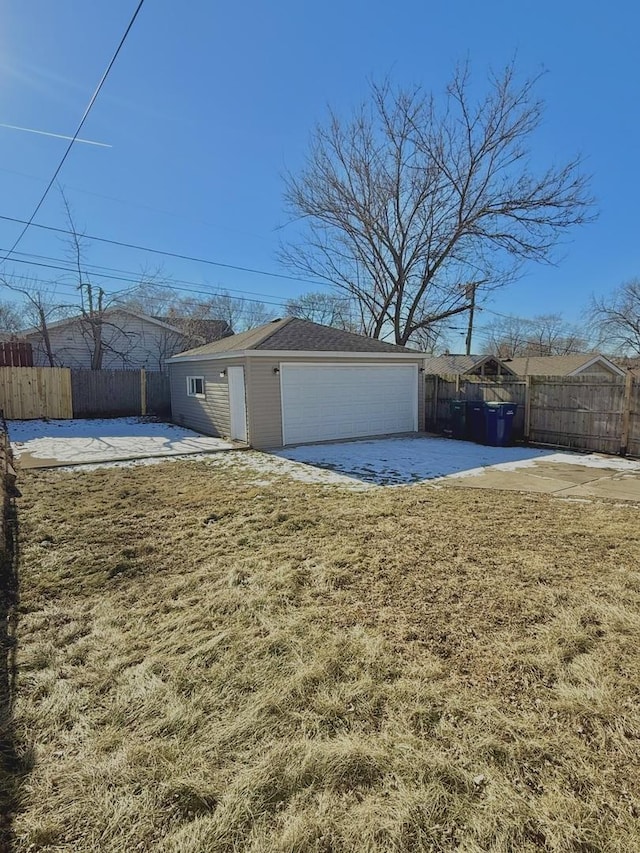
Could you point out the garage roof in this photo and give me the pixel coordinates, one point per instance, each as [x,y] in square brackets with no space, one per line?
[295,335]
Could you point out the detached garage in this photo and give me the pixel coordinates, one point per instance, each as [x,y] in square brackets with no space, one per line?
[292,381]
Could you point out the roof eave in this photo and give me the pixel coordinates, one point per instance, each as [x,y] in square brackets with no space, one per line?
[598,358]
[252,353]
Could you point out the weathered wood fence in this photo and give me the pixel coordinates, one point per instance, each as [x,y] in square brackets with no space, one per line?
[577,412]
[16,354]
[58,392]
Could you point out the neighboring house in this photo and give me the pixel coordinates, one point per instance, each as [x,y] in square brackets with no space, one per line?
[587,364]
[466,365]
[128,340]
[293,381]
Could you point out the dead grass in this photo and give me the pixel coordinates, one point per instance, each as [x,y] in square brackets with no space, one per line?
[208,665]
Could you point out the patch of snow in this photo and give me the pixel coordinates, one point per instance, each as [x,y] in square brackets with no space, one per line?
[250,460]
[267,463]
[395,461]
[106,439]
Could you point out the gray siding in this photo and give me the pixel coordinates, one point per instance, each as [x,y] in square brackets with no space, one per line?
[597,369]
[129,343]
[211,414]
[263,394]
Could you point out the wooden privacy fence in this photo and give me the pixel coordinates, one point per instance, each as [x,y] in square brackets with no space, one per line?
[103,393]
[35,392]
[58,392]
[578,412]
[16,354]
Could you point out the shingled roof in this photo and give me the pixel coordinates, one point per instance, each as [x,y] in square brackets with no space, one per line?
[560,365]
[457,365]
[296,335]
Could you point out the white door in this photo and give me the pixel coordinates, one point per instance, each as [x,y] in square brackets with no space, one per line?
[237,403]
[332,401]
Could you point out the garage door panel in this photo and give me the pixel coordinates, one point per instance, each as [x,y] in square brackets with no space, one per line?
[324,402]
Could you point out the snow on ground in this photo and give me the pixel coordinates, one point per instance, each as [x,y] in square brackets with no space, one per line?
[123,442]
[394,461]
[262,465]
[102,439]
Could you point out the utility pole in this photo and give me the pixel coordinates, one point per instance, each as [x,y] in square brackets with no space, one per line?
[471,296]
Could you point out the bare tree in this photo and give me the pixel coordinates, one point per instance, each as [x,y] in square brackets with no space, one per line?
[41,306]
[329,309]
[616,319]
[240,313]
[150,297]
[411,202]
[162,300]
[11,317]
[100,325]
[546,334]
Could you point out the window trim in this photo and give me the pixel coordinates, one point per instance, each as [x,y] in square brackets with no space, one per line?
[192,393]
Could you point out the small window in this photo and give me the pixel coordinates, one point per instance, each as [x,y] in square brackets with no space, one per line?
[195,386]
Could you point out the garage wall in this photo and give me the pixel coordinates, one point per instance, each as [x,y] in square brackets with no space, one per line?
[263,394]
[211,414]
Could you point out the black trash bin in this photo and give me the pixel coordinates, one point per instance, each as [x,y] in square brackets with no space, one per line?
[476,427]
[499,423]
[458,417]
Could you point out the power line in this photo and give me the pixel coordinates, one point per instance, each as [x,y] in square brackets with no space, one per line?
[95,270]
[201,292]
[177,255]
[27,223]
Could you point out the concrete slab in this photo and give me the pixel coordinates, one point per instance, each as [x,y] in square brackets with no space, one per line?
[559,479]
[462,464]
[57,443]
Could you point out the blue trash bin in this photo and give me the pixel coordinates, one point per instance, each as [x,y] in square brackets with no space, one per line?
[499,423]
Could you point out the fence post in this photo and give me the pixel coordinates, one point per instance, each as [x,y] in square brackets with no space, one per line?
[436,383]
[143,391]
[527,408]
[626,414]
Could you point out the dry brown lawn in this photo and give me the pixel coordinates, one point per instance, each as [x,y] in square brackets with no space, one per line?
[207,664]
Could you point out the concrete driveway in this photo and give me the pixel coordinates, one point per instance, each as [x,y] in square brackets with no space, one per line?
[396,461]
[50,444]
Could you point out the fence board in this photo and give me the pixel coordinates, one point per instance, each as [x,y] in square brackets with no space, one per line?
[105,393]
[16,354]
[583,413]
[35,392]
[633,443]
[158,393]
[118,393]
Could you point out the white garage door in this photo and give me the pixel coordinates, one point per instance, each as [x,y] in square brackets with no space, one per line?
[323,402]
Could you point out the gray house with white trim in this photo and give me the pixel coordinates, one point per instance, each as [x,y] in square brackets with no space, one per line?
[128,340]
[292,381]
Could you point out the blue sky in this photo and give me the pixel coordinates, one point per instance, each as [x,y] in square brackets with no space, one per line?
[209,103]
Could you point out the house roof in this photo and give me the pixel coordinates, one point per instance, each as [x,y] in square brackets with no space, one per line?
[560,365]
[460,364]
[203,328]
[108,313]
[295,335]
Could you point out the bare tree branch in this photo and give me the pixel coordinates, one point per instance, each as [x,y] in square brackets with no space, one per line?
[411,199]
[616,319]
[546,334]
